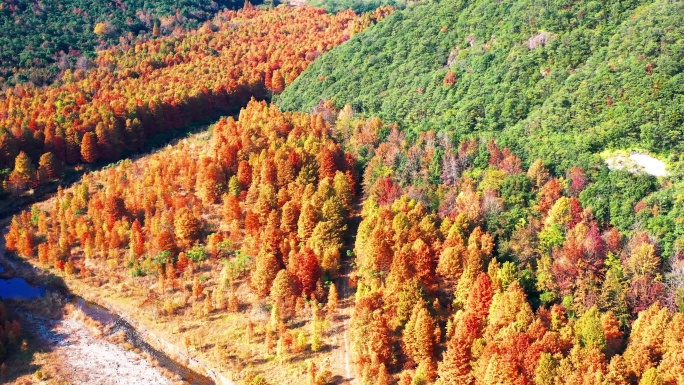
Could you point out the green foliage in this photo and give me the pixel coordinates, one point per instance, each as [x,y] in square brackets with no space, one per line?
[517,190]
[550,237]
[546,370]
[138,272]
[589,330]
[614,195]
[237,266]
[553,80]
[162,258]
[197,253]
[662,213]
[357,5]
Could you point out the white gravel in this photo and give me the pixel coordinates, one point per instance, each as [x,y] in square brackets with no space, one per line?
[90,360]
[637,162]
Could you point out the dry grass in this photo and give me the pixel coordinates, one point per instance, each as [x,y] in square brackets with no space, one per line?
[219,339]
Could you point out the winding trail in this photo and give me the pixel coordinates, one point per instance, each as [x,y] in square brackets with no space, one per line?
[346,323]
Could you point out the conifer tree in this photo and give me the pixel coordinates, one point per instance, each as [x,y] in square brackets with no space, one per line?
[165,242]
[186,228]
[24,172]
[455,369]
[48,167]
[307,221]
[419,335]
[277,82]
[89,150]
[282,290]
[265,271]
[545,374]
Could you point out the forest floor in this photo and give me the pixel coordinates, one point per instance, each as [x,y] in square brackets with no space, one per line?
[219,342]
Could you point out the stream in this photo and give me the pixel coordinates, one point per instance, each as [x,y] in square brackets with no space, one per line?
[19,288]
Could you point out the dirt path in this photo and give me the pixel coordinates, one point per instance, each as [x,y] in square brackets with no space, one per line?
[347,312]
[343,362]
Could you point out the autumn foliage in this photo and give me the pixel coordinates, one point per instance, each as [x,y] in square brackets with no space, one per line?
[470,269]
[161,85]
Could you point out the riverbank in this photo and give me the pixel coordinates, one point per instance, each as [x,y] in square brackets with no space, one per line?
[219,345]
[67,340]
[72,349]
[160,343]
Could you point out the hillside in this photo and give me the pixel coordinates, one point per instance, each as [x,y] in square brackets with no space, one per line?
[39,40]
[411,197]
[232,244]
[356,5]
[202,240]
[136,92]
[559,81]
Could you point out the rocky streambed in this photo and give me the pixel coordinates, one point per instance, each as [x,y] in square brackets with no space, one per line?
[88,356]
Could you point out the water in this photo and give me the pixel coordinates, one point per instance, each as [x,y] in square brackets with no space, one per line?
[18,288]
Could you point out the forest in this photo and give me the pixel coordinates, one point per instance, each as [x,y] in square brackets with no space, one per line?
[357,5]
[468,268]
[72,30]
[161,85]
[406,196]
[560,82]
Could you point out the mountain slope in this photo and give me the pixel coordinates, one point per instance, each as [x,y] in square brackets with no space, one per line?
[518,70]
[39,40]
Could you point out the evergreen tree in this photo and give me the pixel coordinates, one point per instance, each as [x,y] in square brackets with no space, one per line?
[89,150]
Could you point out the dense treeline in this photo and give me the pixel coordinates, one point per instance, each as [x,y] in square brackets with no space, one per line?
[357,5]
[470,268]
[164,84]
[475,271]
[557,80]
[39,40]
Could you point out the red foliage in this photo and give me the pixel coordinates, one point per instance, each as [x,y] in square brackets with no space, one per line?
[306,270]
[450,78]
[578,180]
[387,190]
[170,82]
[480,296]
[548,195]
[644,292]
